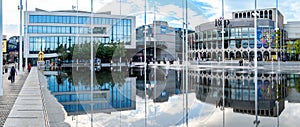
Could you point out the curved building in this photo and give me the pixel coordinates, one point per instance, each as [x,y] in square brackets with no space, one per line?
[206,42]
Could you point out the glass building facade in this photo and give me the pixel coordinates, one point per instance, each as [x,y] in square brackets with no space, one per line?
[47,30]
[206,42]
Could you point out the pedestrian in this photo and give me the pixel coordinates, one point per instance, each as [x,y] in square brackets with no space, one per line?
[6,67]
[59,64]
[12,74]
[28,67]
[23,66]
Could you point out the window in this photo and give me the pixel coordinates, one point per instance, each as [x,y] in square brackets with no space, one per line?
[232,33]
[99,30]
[245,43]
[245,32]
[29,29]
[232,43]
[51,19]
[31,19]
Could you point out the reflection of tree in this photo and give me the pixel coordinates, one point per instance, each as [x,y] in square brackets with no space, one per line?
[81,76]
[111,77]
[297,49]
[297,84]
[83,51]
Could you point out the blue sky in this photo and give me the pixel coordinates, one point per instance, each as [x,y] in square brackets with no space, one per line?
[169,10]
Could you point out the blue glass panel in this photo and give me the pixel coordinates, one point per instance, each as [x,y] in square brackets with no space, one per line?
[51,19]
[72,20]
[31,19]
[44,29]
[65,20]
[35,19]
[29,29]
[48,18]
[55,19]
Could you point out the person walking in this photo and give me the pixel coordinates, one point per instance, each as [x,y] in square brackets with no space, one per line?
[12,74]
[28,67]
[6,67]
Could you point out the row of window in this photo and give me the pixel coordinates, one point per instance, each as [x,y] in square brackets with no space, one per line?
[232,44]
[50,43]
[115,29]
[232,33]
[76,20]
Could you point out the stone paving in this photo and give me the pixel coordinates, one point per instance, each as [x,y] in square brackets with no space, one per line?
[10,94]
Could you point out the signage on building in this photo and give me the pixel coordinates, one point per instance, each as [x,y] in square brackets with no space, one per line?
[4,42]
[218,22]
[163,29]
[99,30]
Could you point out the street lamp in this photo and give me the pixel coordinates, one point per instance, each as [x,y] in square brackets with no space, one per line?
[1,53]
[20,39]
[223,31]
[255,14]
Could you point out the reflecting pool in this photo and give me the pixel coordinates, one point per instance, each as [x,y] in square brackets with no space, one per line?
[121,96]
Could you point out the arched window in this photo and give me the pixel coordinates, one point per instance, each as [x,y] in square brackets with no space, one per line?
[270,14]
[266,14]
[261,14]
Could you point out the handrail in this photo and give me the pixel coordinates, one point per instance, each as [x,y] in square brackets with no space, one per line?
[45,113]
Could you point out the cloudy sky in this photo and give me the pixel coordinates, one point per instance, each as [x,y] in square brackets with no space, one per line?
[168,10]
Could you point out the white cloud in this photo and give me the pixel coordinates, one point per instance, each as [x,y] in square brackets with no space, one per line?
[198,9]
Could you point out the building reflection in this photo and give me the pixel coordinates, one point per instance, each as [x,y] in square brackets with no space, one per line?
[161,84]
[239,90]
[77,96]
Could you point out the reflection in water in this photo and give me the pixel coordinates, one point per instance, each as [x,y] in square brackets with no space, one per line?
[108,96]
[240,91]
[121,94]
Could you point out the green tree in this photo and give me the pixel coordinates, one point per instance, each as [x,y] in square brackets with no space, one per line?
[105,52]
[289,48]
[62,52]
[297,49]
[120,51]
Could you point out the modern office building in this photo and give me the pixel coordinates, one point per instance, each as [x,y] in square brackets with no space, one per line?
[167,40]
[47,30]
[206,42]
[293,34]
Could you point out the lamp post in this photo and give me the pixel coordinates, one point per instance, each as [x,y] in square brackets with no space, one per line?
[92,66]
[276,33]
[21,39]
[1,54]
[145,61]
[25,37]
[223,31]
[255,35]
[186,63]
